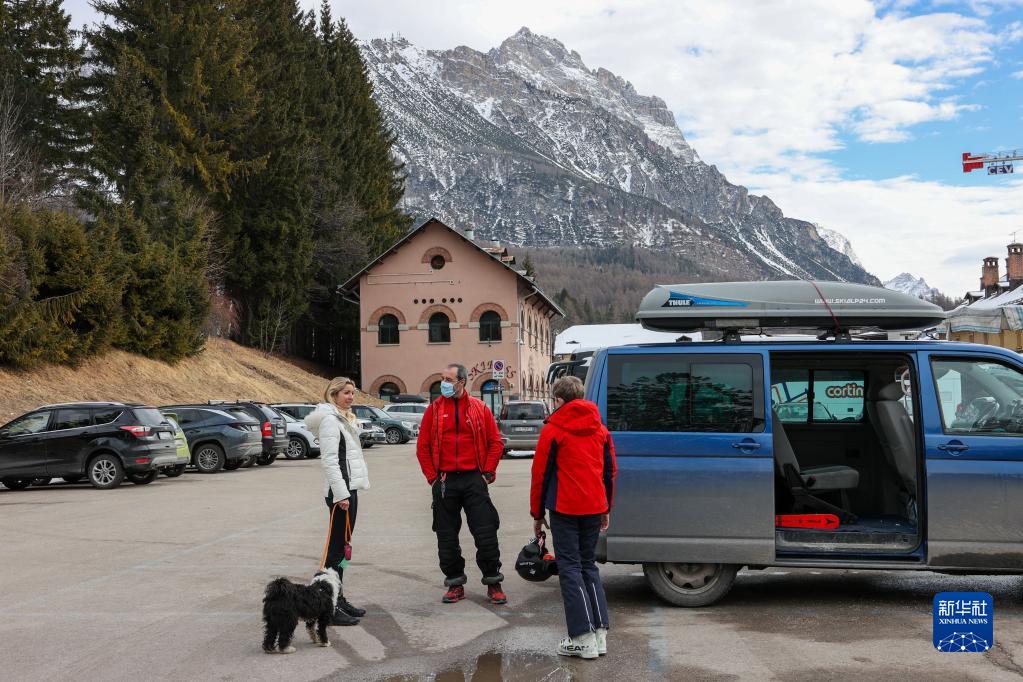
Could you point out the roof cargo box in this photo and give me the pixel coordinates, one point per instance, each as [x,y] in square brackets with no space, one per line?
[789,305]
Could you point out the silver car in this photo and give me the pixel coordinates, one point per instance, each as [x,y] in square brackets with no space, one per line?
[520,424]
[412,412]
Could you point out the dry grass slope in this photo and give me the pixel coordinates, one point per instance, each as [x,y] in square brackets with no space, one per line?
[225,371]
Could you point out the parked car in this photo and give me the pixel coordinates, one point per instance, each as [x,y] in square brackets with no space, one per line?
[520,424]
[302,442]
[104,442]
[296,410]
[412,412]
[219,437]
[184,456]
[395,430]
[370,434]
[272,426]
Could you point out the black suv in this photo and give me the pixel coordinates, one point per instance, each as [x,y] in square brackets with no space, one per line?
[219,436]
[105,442]
[272,426]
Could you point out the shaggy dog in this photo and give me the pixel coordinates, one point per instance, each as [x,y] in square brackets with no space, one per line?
[285,603]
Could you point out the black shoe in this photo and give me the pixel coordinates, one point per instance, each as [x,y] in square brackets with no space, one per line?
[342,618]
[345,606]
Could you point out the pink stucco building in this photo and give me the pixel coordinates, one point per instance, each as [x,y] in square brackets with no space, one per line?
[438,296]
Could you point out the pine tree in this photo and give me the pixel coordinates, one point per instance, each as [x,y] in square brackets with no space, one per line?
[172,91]
[40,60]
[269,216]
[528,267]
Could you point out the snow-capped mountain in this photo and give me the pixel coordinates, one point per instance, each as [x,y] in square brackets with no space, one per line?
[531,147]
[838,242]
[914,286]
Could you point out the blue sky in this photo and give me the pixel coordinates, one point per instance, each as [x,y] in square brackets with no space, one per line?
[851,114]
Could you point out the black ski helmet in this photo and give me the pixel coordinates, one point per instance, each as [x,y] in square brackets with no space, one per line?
[534,562]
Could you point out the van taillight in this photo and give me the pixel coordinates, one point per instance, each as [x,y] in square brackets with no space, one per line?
[139,431]
[268,429]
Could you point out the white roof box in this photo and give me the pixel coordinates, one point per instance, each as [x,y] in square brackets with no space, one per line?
[789,305]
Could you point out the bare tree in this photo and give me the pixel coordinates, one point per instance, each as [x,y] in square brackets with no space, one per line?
[17,170]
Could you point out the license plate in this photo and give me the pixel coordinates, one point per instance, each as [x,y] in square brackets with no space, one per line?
[164,435]
[280,429]
[523,429]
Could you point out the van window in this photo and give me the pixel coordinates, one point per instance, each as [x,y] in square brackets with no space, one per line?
[74,418]
[523,411]
[837,395]
[671,393]
[979,397]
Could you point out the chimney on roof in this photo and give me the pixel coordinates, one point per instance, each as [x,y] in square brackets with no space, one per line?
[1014,265]
[989,276]
[470,234]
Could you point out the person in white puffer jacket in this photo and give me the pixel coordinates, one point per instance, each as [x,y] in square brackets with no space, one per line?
[345,473]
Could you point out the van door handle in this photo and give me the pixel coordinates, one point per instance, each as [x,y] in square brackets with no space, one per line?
[954,447]
[746,445]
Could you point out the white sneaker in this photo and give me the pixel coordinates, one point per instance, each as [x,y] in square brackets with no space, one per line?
[601,641]
[583,646]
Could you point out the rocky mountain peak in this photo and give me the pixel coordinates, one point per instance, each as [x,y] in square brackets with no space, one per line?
[533,148]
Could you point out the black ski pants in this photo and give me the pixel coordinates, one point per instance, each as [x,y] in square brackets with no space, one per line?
[334,551]
[452,493]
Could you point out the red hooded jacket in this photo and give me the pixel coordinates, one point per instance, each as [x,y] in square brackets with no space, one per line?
[474,442]
[574,464]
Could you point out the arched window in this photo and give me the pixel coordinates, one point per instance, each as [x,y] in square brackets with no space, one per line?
[387,332]
[440,328]
[389,389]
[434,391]
[490,326]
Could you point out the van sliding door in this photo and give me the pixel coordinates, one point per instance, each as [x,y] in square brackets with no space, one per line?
[695,461]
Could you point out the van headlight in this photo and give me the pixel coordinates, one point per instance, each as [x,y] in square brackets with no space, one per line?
[407,425]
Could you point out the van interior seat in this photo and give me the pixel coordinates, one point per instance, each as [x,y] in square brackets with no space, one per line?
[820,478]
[895,431]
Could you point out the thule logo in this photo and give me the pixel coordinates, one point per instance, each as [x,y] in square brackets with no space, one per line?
[679,303]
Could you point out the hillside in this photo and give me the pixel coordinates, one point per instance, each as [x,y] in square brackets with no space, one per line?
[225,370]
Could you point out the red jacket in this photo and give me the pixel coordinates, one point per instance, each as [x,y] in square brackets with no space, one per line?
[574,465]
[477,439]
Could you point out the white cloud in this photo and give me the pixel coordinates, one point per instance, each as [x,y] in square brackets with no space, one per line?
[930,229]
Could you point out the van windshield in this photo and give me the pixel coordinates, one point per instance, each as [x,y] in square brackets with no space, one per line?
[523,411]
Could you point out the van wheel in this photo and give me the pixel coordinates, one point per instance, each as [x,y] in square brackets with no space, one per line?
[106,472]
[690,585]
[248,461]
[266,460]
[174,471]
[209,458]
[144,479]
[393,436]
[232,464]
[16,483]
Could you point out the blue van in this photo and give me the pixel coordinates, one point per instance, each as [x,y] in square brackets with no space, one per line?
[913,448]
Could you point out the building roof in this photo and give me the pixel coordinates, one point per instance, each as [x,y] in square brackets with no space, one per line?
[491,250]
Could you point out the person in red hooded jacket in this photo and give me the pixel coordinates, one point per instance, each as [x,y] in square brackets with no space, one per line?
[573,477]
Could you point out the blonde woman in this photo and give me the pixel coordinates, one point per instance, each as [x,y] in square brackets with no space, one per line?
[345,474]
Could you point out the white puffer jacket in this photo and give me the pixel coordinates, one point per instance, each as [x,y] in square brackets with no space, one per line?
[328,424]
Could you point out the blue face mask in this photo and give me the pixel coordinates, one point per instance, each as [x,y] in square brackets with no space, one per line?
[447,389]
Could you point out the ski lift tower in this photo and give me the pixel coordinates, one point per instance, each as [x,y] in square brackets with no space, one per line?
[997,163]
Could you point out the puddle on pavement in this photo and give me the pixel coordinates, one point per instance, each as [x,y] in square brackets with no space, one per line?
[499,667]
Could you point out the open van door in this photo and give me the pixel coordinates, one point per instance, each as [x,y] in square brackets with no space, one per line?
[973,405]
[694,497]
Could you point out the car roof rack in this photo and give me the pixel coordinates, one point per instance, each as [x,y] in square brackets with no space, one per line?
[822,309]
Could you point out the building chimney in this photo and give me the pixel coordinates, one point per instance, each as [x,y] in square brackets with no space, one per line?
[989,276]
[470,234]
[1014,265]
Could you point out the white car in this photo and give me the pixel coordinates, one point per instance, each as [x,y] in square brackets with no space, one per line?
[302,442]
[412,412]
[370,434]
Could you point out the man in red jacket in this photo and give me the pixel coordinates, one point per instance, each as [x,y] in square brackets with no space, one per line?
[459,448]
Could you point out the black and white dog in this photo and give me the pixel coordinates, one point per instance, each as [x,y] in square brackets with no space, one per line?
[286,603]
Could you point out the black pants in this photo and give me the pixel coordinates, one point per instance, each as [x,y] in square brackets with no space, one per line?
[334,552]
[452,493]
[575,547]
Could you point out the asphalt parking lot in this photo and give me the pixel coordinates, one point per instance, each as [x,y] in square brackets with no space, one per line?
[165,582]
